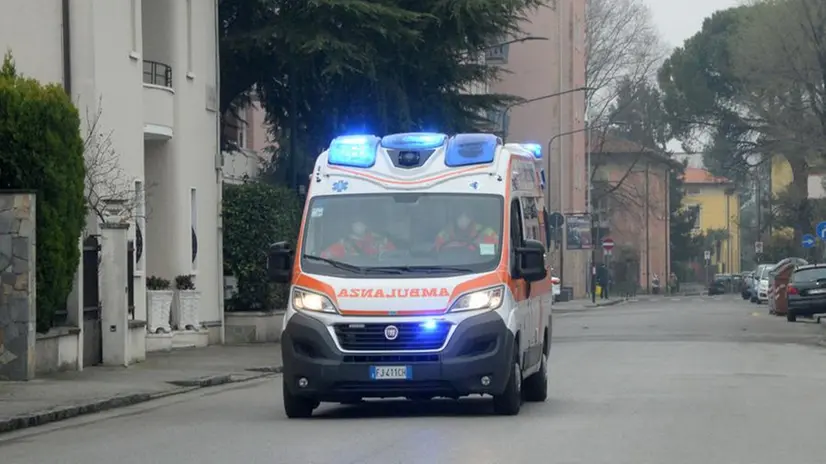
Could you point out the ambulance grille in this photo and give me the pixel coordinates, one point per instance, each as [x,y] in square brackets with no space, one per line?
[410,336]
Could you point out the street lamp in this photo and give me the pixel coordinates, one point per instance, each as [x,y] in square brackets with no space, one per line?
[531,100]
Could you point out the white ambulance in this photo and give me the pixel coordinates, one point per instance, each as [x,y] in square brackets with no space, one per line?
[419,272]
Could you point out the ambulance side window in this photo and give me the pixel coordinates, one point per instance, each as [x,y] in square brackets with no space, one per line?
[517,238]
[530,218]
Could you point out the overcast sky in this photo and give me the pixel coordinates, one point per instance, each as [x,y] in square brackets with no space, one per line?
[678,20]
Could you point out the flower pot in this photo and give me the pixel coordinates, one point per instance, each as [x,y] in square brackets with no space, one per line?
[185,310]
[159,303]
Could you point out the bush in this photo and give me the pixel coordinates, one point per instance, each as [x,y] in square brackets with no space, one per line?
[41,149]
[255,216]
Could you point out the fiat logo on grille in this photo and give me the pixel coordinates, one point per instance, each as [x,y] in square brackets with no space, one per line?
[391,332]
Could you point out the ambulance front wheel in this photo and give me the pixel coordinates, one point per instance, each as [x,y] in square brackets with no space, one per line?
[509,402]
[297,407]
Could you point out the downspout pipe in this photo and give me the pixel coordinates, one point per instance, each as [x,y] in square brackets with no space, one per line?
[219,175]
[67,47]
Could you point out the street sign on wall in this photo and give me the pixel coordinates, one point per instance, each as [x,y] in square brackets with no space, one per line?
[758,247]
[707,255]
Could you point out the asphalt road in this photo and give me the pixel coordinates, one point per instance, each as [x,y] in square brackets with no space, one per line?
[696,380]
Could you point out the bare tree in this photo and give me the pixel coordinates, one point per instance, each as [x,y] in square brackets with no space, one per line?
[622,45]
[109,190]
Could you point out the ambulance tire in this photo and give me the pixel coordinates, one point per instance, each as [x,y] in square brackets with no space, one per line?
[297,407]
[510,401]
[536,386]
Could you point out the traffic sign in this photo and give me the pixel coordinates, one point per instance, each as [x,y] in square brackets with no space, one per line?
[821,230]
[608,244]
[556,220]
[809,240]
[758,247]
[707,255]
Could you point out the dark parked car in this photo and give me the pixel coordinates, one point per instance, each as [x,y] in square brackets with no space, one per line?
[718,287]
[807,292]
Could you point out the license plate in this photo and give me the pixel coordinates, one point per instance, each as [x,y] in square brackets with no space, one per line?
[391,372]
[817,291]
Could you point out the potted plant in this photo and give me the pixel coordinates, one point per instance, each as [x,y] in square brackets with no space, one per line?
[185,314]
[159,301]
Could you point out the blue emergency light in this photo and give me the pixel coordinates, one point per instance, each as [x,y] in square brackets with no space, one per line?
[471,149]
[534,148]
[356,151]
[414,141]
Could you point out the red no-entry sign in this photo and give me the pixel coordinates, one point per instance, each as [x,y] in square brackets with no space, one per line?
[608,243]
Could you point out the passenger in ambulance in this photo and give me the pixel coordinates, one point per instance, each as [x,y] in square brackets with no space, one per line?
[465,233]
[359,242]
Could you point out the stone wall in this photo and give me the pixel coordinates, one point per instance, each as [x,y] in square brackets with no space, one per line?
[17,285]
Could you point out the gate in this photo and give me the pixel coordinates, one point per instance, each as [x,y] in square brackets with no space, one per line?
[130,278]
[92,331]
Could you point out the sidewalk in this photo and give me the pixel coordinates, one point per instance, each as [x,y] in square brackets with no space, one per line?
[66,395]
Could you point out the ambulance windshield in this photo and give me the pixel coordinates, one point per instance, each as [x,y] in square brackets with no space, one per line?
[402,234]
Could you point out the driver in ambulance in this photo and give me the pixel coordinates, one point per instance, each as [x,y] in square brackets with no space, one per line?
[465,232]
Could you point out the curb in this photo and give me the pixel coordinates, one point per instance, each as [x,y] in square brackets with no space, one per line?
[121,401]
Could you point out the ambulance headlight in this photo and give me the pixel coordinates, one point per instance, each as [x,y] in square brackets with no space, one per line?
[489,299]
[305,300]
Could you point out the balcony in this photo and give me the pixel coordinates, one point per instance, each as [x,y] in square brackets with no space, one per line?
[158,101]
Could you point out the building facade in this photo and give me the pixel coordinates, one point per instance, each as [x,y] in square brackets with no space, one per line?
[551,62]
[631,206]
[717,206]
[145,72]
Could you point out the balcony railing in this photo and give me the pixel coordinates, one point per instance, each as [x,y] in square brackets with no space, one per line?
[157,74]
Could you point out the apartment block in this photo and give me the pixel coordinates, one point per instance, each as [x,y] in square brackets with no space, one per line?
[551,61]
[149,68]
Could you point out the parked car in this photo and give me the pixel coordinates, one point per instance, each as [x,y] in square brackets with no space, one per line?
[760,287]
[807,292]
[746,285]
[718,287]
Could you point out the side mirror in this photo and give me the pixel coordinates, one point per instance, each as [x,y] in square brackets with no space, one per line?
[531,261]
[280,263]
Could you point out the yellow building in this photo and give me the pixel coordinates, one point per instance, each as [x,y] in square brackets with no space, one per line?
[718,208]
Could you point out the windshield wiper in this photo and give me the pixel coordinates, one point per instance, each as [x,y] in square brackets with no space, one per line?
[350,267]
[426,269]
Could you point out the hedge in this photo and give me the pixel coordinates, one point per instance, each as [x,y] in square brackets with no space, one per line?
[256,215]
[41,149]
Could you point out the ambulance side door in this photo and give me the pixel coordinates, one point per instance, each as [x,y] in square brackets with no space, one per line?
[523,307]
[531,229]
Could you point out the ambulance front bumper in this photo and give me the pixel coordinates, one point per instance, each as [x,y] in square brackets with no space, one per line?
[476,359]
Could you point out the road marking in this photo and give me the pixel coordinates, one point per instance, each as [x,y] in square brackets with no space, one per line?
[756,314]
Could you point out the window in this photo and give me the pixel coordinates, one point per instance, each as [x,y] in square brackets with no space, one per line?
[499,120]
[406,230]
[812,274]
[692,191]
[140,226]
[188,36]
[193,213]
[133,24]
[530,218]
[241,138]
